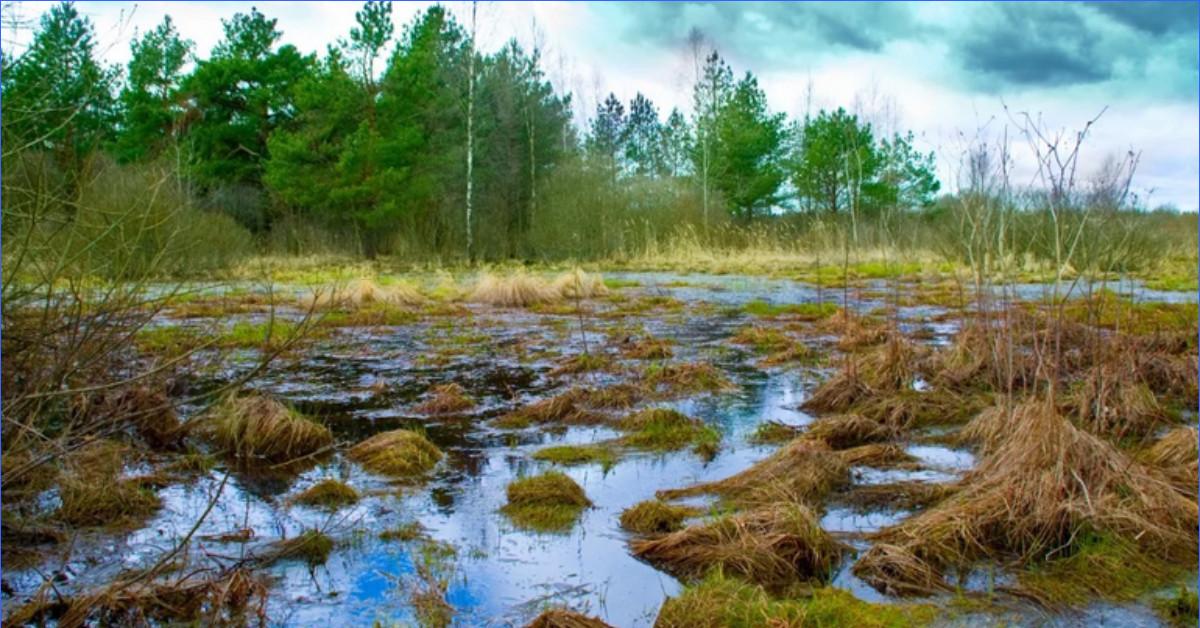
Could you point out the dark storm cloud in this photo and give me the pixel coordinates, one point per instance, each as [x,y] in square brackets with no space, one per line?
[981,47]
[1156,18]
[1032,45]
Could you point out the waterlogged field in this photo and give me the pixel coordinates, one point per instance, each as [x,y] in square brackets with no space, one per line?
[691,449]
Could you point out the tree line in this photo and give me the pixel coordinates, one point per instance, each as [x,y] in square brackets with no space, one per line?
[417,139]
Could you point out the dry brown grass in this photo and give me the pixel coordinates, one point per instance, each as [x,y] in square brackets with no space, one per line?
[1112,402]
[801,471]
[910,408]
[92,491]
[516,290]
[1045,485]
[888,369]
[259,428]
[565,618]
[687,377]
[879,455]
[774,545]
[400,453]
[647,349]
[849,430]
[577,284]
[365,291]
[1176,448]
[906,495]
[444,399]
[566,408]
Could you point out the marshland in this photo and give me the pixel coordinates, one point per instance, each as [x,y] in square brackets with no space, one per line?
[394,334]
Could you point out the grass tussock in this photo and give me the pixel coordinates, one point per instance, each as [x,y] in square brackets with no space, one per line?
[774,545]
[259,428]
[690,377]
[908,409]
[444,399]
[398,453]
[656,517]
[1176,448]
[550,502]
[663,429]
[878,455]
[565,618]
[92,492]
[721,601]
[566,408]
[570,455]
[801,471]
[363,292]
[516,290]
[1179,610]
[577,284]
[622,395]
[329,494]
[582,363]
[311,546]
[1037,494]
[849,430]
[791,311]
[1112,403]
[773,432]
[888,369]
[647,348]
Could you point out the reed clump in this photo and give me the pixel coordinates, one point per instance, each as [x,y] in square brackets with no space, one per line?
[1040,490]
[363,292]
[656,517]
[92,492]
[549,502]
[566,408]
[773,545]
[258,428]
[444,399]
[397,453]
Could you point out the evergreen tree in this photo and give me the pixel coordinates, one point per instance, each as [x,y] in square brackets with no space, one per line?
[607,136]
[709,96]
[907,178]
[837,157]
[150,100]
[643,138]
[239,97]
[675,145]
[749,141]
[57,96]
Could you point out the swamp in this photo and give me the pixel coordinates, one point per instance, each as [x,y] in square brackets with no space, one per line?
[407,331]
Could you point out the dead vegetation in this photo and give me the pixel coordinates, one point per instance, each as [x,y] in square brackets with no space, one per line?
[906,495]
[802,471]
[565,618]
[773,545]
[647,348]
[656,517]
[398,453]
[364,292]
[92,491]
[843,431]
[887,370]
[690,377]
[257,428]
[550,502]
[577,284]
[566,408]
[1041,488]
[328,493]
[444,399]
[518,289]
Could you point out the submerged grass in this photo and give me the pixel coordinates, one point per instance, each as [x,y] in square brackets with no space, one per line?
[569,455]
[550,502]
[656,517]
[721,601]
[311,546]
[398,453]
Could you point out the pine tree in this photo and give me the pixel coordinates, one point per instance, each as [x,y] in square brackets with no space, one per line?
[749,151]
[643,138]
[150,101]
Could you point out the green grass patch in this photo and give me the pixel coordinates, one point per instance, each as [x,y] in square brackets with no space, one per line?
[809,311]
[663,429]
[1101,567]
[329,494]
[569,455]
[550,502]
[723,602]
[614,284]
[656,517]
[1179,610]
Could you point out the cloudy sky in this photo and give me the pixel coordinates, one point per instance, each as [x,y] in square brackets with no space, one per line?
[944,70]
